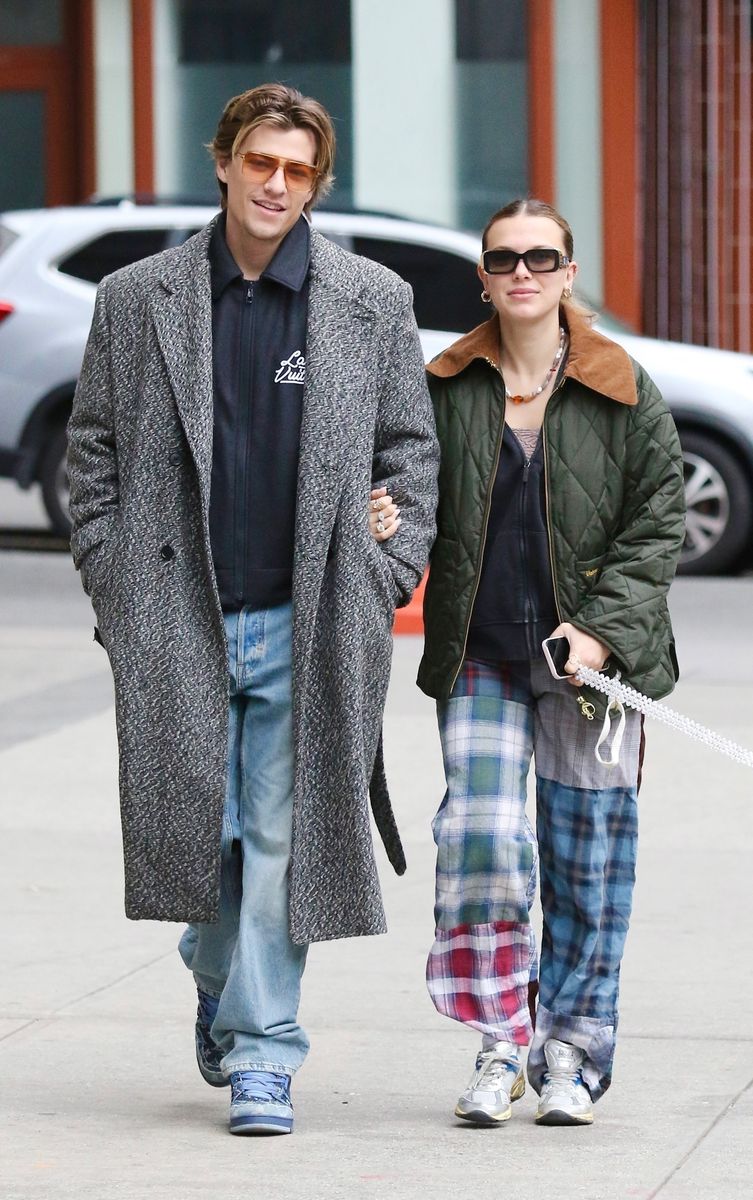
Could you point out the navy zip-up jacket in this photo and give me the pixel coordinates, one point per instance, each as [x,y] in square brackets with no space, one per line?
[514,609]
[259,365]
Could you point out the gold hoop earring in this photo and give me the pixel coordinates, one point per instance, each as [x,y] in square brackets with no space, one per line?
[486,297]
[567,293]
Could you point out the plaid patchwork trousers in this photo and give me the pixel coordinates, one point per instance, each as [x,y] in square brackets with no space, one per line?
[484,954]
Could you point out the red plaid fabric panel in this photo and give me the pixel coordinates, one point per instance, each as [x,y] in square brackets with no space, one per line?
[479,974]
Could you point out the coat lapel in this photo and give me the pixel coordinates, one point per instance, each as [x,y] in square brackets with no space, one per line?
[182,312]
[339,327]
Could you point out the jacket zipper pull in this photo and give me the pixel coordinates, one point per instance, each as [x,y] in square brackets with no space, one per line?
[249,292]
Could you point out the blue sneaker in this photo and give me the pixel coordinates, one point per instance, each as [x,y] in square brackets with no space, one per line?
[260,1103]
[208,1053]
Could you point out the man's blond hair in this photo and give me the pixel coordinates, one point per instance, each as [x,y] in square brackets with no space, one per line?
[286,108]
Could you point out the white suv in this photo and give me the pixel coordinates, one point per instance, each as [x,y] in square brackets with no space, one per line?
[51,261]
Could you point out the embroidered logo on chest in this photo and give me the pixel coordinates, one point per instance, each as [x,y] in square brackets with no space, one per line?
[292,370]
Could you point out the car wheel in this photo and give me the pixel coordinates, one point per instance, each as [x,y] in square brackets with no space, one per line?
[719,501]
[54,480]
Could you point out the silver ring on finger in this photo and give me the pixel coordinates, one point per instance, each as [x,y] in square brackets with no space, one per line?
[380,526]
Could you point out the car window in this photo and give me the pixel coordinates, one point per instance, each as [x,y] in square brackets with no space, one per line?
[113,250]
[446,289]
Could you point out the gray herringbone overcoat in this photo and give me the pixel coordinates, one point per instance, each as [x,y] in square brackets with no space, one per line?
[140,457]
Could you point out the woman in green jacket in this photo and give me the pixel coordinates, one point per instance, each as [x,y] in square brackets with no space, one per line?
[560,513]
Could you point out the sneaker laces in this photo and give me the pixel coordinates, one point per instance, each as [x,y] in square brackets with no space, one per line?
[260,1086]
[491,1072]
[205,1014]
[559,1079]
[207,1010]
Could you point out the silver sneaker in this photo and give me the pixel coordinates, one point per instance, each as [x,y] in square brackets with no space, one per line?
[496,1081]
[565,1099]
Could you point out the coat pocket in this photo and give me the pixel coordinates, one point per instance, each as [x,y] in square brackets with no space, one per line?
[382,569]
[587,572]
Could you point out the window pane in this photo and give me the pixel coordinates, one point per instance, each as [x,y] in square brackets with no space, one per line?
[446,289]
[263,31]
[22,126]
[487,31]
[112,251]
[492,106]
[31,22]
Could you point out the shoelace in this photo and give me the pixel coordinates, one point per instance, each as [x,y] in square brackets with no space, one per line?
[206,1013]
[207,1009]
[560,1080]
[260,1085]
[491,1074]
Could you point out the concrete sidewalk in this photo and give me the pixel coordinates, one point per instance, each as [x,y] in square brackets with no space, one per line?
[99,1091]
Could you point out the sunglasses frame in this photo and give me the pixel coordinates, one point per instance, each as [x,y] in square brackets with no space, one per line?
[562,261]
[277,161]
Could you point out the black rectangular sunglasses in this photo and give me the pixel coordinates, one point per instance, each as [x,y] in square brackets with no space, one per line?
[538,260]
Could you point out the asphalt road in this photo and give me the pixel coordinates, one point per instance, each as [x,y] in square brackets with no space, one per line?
[99,1094]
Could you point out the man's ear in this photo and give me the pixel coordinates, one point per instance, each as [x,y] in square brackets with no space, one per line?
[220,168]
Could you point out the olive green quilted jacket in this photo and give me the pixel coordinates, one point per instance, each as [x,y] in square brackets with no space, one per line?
[615,503]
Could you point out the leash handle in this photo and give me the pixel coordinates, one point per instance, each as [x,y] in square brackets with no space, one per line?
[624,694]
[614,751]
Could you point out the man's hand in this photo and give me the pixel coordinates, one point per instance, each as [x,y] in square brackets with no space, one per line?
[585,651]
[384,516]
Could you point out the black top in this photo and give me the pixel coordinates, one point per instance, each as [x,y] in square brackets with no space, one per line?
[258,360]
[514,609]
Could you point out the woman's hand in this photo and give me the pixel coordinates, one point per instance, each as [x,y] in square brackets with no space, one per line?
[384,516]
[585,651]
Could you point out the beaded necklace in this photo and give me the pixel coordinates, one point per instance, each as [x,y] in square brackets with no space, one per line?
[555,363]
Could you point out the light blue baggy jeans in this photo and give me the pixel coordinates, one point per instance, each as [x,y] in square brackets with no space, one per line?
[247,958]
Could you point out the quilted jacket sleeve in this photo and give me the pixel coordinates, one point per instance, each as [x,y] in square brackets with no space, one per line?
[406,452]
[626,608]
[92,457]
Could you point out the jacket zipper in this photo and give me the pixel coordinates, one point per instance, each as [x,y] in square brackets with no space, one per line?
[555,586]
[240,551]
[524,556]
[484,527]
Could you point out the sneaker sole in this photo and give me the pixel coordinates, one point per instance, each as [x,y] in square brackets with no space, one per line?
[259,1125]
[477,1116]
[560,1117]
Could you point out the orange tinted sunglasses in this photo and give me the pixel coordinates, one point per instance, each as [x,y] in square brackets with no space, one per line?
[299,176]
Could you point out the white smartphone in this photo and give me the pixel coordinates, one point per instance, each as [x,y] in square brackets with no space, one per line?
[556,652]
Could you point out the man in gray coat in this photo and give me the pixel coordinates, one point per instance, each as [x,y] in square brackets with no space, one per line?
[241,395]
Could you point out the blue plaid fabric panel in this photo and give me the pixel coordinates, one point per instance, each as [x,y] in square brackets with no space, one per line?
[587,844]
[485,843]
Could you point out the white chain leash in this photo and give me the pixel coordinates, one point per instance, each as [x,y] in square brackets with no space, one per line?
[621,693]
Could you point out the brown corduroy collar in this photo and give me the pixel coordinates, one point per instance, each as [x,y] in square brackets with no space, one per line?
[594,360]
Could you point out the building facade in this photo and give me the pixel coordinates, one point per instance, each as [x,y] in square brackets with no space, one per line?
[632,116]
